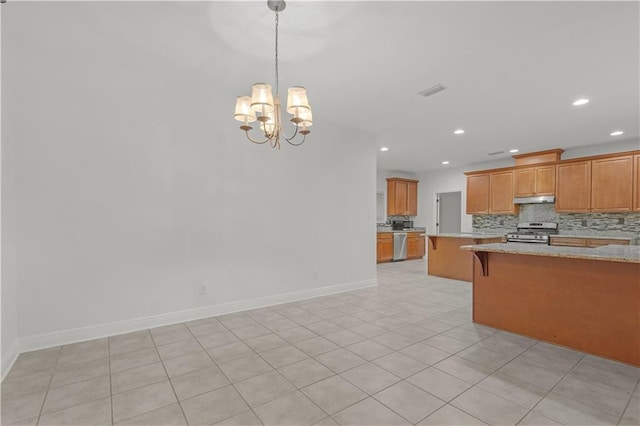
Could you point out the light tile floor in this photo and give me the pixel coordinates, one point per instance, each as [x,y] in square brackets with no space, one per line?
[405,352]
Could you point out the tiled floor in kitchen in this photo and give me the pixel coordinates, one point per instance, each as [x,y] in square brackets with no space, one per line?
[403,353]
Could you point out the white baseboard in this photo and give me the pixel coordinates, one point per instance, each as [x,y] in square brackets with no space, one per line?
[9,358]
[65,337]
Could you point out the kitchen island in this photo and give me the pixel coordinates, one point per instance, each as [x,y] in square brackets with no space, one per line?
[583,298]
[445,259]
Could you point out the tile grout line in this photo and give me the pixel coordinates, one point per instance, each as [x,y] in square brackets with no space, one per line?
[629,401]
[44,400]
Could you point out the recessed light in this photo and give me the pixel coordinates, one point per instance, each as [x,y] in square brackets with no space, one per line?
[459,132]
[384,149]
[445,162]
[579,102]
[513,151]
[617,133]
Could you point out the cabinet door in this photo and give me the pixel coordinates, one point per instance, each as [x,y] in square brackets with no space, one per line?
[501,193]
[478,194]
[413,247]
[636,183]
[525,182]
[573,187]
[568,242]
[545,180]
[412,198]
[611,184]
[385,246]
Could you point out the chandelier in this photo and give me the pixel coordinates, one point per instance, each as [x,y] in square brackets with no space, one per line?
[265,108]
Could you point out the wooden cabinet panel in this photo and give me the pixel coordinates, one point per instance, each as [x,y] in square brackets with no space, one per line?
[525,182]
[501,193]
[400,202]
[415,245]
[478,194]
[573,187]
[535,181]
[612,185]
[546,180]
[598,242]
[402,197]
[412,198]
[385,247]
[568,242]
[636,182]
[586,242]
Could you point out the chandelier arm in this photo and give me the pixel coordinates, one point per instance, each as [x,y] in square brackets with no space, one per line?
[304,137]
[255,141]
[284,134]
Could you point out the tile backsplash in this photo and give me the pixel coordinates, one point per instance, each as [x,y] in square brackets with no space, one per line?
[620,224]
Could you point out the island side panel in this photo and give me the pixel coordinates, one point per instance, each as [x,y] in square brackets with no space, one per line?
[589,305]
[448,261]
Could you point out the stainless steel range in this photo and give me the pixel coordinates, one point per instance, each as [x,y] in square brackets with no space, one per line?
[533,232]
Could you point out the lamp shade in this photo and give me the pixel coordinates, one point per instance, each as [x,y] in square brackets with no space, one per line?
[261,98]
[297,100]
[243,110]
[268,126]
[307,117]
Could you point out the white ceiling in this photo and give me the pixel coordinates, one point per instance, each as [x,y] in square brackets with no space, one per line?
[512,69]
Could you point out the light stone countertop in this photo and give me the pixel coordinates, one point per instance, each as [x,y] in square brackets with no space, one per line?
[402,231]
[612,253]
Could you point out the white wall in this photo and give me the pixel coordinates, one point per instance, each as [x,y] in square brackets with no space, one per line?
[133,187]
[450,180]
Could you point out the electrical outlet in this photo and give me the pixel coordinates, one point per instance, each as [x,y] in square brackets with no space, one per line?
[621,221]
[315,275]
[204,288]
[584,223]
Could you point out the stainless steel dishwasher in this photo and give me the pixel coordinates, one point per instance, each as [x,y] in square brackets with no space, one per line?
[399,245]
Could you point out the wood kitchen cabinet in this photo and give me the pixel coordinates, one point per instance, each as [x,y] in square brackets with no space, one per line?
[501,193]
[491,192]
[535,181]
[415,245]
[402,197]
[573,187]
[636,182]
[586,242]
[478,193]
[612,184]
[385,246]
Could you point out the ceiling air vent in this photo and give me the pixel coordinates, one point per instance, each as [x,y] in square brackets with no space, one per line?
[496,153]
[432,90]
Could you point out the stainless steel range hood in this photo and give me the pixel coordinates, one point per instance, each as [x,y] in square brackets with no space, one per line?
[543,199]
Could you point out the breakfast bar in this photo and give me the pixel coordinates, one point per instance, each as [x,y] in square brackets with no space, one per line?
[583,298]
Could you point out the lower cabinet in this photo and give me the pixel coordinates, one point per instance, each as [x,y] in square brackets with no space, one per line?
[586,242]
[385,246]
[415,245]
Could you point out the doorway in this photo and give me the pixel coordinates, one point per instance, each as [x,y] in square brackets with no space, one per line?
[449,212]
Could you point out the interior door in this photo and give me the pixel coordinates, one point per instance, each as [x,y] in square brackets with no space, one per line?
[449,217]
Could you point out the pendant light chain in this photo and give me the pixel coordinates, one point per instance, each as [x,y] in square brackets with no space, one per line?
[277,83]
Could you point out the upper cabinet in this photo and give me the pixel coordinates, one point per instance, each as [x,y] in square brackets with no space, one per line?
[491,192]
[612,184]
[573,188]
[402,197]
[602,184]
[478,194]
[534,181]
[501,193]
